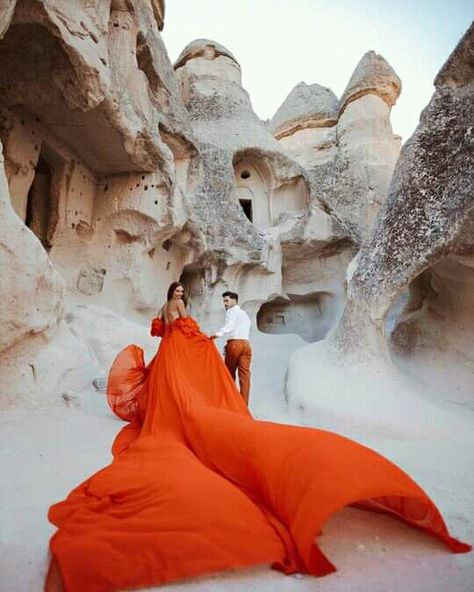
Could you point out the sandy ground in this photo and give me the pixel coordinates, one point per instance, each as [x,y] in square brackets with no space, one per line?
[46,452]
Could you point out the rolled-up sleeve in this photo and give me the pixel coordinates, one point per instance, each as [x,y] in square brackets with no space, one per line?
[229,323]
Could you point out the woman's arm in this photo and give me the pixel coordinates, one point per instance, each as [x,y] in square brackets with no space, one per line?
[182,310]
[158,323]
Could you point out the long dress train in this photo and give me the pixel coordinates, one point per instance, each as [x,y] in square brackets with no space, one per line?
[197,485]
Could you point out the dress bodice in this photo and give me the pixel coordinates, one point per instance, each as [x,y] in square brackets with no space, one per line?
[186,325]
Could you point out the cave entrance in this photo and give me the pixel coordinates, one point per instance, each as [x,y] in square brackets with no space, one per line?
[310,315]
[252,188]
[39,203]
[246,205]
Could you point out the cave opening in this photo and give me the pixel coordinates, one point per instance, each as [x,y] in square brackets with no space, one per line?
[246,205]
[39,214]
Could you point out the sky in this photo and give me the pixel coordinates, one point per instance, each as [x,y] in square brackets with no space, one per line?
[280,43]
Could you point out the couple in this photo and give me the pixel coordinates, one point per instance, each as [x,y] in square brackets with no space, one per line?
[237,352]
[197,485]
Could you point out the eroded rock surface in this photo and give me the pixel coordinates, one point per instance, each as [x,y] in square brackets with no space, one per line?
[307,105]
[253,199]
[346,147]
[96,145]
[31,290]
[429,212]
[422,242]
[125,173]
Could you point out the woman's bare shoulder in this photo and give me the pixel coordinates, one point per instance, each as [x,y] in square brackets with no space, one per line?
[181,308]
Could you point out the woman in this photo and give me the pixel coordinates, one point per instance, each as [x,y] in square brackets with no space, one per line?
[175,306]
[197,485]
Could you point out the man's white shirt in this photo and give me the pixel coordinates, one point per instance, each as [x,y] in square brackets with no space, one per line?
[237,324]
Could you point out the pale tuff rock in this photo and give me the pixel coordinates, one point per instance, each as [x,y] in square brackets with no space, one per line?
[373,75]
[101,75]
[99,152]
[203,48]
[422,241]
[429,211]
[246,177]
[440,166]
[126,173]
[38,354]
[105,333]
[97,145]
[347,148]
[307,105]
[31,290]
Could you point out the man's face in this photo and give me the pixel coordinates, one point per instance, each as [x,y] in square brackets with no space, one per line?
[229,302]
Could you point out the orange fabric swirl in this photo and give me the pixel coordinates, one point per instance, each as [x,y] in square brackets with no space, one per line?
[157,327]
[197,485]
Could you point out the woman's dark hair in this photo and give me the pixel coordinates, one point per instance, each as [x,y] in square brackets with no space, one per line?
[232,295]
[171,290]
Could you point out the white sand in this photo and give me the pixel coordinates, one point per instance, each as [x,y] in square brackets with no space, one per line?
[45,452]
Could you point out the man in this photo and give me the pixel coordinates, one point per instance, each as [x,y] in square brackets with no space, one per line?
[238,353]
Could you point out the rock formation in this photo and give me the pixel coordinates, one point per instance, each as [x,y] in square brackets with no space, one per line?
[423,238]
[346,147]
[422,243]
[306,107]
[124,173]
[95,139]
[252,203]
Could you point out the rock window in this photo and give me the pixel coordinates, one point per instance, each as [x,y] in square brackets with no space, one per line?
[253,183]
[246,205]
[38,207]
[278,319]
[310,315]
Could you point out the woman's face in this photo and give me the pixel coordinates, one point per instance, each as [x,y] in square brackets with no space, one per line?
[178,293]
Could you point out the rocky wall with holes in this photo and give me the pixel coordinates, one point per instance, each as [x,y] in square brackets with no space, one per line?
[96,150]
[252,199]
[131,173]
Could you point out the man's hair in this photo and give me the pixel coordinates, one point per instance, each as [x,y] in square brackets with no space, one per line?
[232,295]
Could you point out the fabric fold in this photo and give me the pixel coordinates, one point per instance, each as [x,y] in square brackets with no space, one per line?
[198,485]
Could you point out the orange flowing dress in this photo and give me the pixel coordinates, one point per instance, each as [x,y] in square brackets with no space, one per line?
[197,485]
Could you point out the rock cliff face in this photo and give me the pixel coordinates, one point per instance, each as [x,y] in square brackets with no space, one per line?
[88,168]
[420,252]
[96,142]
[252,203]
[123,173]
[423,236]
[346,147]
